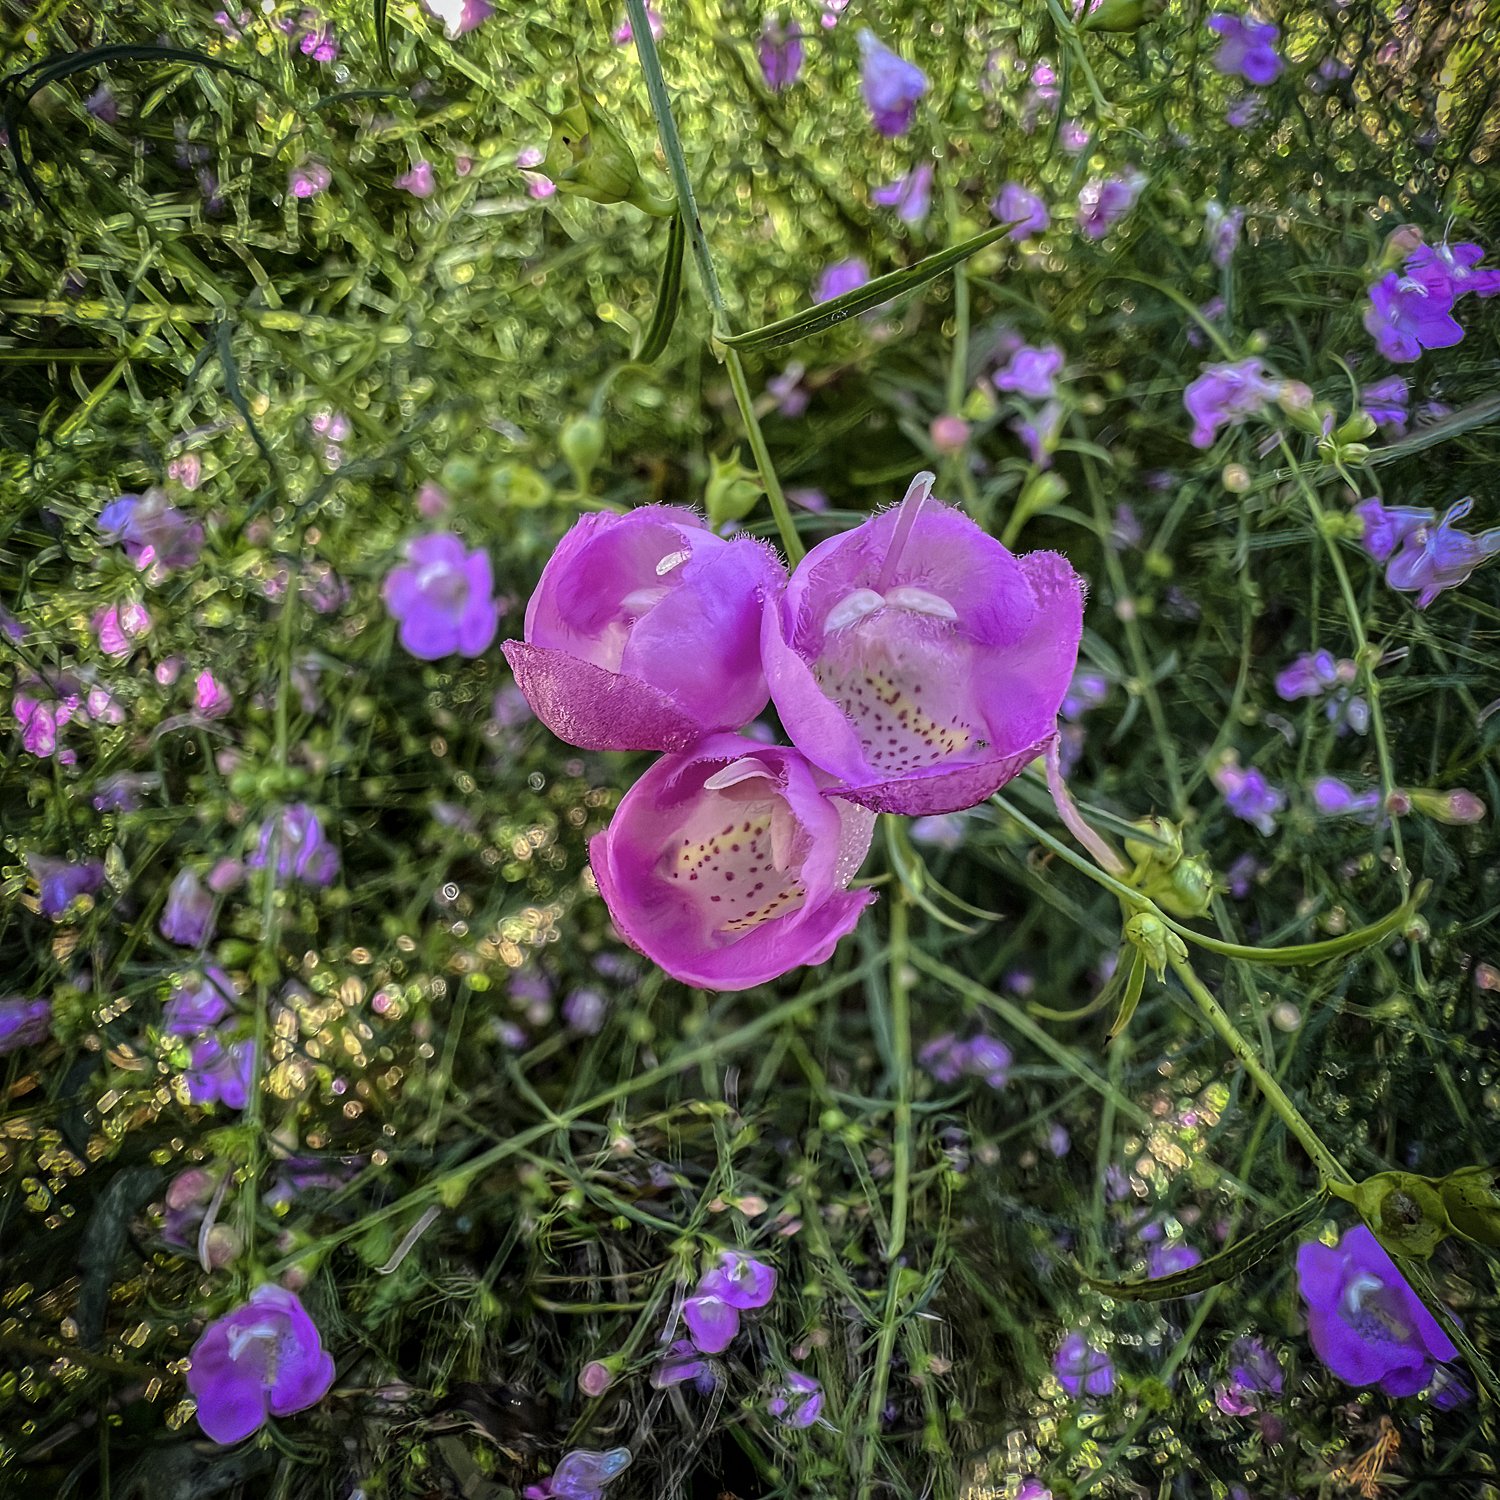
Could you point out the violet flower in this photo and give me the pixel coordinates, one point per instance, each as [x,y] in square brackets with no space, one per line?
[152,530]
[1250,796]
[740,1280]
[584,1010]
[1032,371]
[1224,395]
[443,598]
[220,1074]
[712,1322]
[1366,1324]
[42,708]
[1433,558]
[798,1401]
[1387,527]
[1247,50]
[1410,313]
[582,1475]
[123,791]
[24,1023]
[202,999]
[1023,208]
[910,196]
[1387,403]
[188,915]
[1104,201]
[263,1359]
[1253,1373]
[892,86]
[1331,798]
[1221,228]
[60,884]
[419,181]
[309,179]
[919,662]
[644,632]
[1309,676]
[1168,1260]
[841,277]
[680,1364]
[210,697]
[460,16]
[730,865]
[119,626]
[1082,1369]
[1458,266]
[302,851]
[780,53]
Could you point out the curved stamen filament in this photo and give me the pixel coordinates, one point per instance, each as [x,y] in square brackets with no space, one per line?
[917,493]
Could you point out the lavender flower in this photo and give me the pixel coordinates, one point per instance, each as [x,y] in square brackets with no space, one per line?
[119,626]
[188,916]
[1019,205]
[1457,266]
[1253,1372]
[1082,1369]
[680,1364]
[1032,371]
[798,1401]
[910,196]
[1040,431]
[302,851]
[60,884]
[1104,201]
[1224,395]
[584,1010]
[1387,527]
[309,179]
[1387,403]
[443,598]
[1366,1324]
[1331,798]
[152,530]
[842,276]
[24,1023]
[1168,1260]
[892,86]
[42,708]
[220,1074]
[582,1475]
[1248,49]
[202,999]
[210,697]
[1410,313]
[1309,676]
[1434,558]
[780,54]
[460,16]
[1250,796]
[419,181]
[123,791]
[263,1359]
[1221,228]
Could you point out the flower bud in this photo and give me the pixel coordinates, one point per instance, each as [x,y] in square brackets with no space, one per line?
[1162,844]
[949,434]
[1405,1212]
[1121,15]
[1359,426]
[1473,1204]
[597,1376]
[1189,888]
[582,445]
[1399,244]
[588,158]
[732,491]
[1456,807]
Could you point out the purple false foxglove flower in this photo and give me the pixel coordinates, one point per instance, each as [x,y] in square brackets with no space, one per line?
[220,1074]
[892,86]
[60,884]
[1309,676]
[443,597]
[1366,1324]
[1253,1372]
[302,851]
[1387,402]
[1104,201]
[24,1023]
[1082,1369]
[919,662]
[201,1000]
[152,530]
[1250,796]
[1224,395]
[582,1475]
[263,1359]
[308,180]
[1248,49]
[419,181]
[189,911]
[1387,527]
[644,632]
[740,1280]
[910,196]
[944,1057]
[780,54]
[460,16]
[1410,313]
[210,697]
[119,626]
[681,1363]
[798,1401]
[842,276]
[1032,372]
[1458,266]
[1331,798]
[1023,208]
[1221,228]
[1434,558]
[712,1322]
[730,865]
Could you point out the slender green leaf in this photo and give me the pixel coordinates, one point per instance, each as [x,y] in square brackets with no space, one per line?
[383,33]
[668,295]
[1217,1269]
[872,294]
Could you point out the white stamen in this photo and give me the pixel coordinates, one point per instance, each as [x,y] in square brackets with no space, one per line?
[917,493]
[852,607]
[921,602]
[1358,1289]
[670,561]
[638,601]
[241,1338]
[746,768]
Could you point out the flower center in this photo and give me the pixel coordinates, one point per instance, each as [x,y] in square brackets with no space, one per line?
[259,1346]
[1367,1310]
[443,585]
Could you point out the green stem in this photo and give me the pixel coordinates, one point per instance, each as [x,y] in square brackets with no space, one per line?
[687,206]
[1328,1165]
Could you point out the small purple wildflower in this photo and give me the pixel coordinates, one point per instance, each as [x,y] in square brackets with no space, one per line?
[1167,1260]
[1309,676]
[1387,527]
[1104,201]
[1387,402]
[1032,371]
[680,1364]
[24,1023]
[103,105]
[41,709]
[892,86]
[938,830]
[119,626]
[798,1401]
[792,397]
[60,884]
[712,1322]
[739,1280]
[780,53]
[1457,266]
[1410,313]
[910,196]
[584,1010]
[210,697]
[460,16]
[123,791]
[1433,558]
[1082,1369]
[842,276]
[202,999]
[1019,205]
[1331,798]
[1040,431]
[1221,228]
[1250,796]
[263,1359]
[220,1074]
[318,41]
[1366,1324]
[583,1474]
[1244,112]
[419,181]
[1253,1372]
[1247,49]
[302,851]
[443,598]
[1224,395]
[188,916]
[309,179]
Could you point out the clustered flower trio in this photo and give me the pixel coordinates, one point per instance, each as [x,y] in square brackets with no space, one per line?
[915,664]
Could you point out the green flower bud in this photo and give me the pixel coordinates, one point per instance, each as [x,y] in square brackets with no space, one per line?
[1121,15]
[1157,941]
[732,491]
[1406,1213]
[519,487]
[582,444]
[588,158]
[1162,844]
[1359,426]
[1473,1204]
[1187,891]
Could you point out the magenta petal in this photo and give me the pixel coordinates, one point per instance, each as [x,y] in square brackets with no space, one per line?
[921,794]
[594,709]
